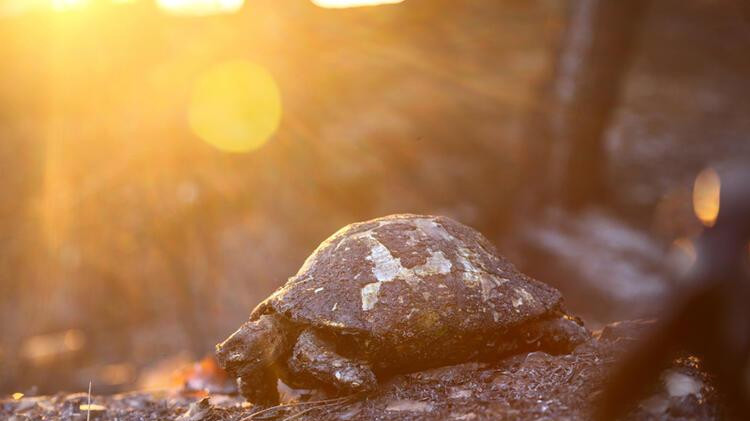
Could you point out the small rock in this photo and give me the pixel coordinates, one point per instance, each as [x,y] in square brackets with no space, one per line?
[351,412]
[93,410]
[409,405]
[679,384]
[537,358]
[444,374]
[25,405]
[222,401]
[197,411]
[460,394]
[501,381]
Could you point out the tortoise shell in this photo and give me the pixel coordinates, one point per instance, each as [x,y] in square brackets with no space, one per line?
[410,276]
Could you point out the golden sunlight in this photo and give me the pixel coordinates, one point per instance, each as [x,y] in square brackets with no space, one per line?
[706,192]
[341,4]
[54,204]
[235,106]
[200,7]
[62,5]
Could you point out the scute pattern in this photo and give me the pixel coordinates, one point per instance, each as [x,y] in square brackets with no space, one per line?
[405,277]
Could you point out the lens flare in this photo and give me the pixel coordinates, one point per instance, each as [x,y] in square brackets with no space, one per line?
[342,4]
[235,106]
[45,349]
[200,7]
[706,192]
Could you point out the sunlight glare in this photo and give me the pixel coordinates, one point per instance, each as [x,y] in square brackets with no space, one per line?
[15,8]
[706,192]
[57,194]
[63,5]
[235,106]
[200,7]
[342,4]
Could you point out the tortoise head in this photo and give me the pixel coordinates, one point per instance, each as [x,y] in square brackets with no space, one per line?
[256,345]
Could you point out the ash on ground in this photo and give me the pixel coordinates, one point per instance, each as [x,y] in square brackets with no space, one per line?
[532,385]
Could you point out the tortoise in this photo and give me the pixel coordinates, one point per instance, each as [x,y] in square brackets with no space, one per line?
[392,295]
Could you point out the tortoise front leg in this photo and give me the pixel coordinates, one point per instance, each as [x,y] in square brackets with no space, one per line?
[315,357]
[260,387]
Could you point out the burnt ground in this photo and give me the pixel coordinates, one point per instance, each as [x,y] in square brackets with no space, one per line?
[527,386]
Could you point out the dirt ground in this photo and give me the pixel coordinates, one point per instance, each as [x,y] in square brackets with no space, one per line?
[527,386]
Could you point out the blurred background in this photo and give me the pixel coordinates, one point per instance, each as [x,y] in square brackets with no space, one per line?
[166,164]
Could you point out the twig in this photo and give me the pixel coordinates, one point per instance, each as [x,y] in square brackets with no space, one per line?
[299,414]
[88,406]
[324,402]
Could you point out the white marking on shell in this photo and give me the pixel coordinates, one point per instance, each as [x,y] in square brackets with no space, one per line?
[488,286]
[433,229]
[387,268]
[436,264]
[335,306]
[413,239]
[370,295]
[522,298]
[413,282]
[317,290]
[472,265]
[464,257]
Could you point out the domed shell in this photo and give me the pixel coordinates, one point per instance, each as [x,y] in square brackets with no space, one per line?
[412,274]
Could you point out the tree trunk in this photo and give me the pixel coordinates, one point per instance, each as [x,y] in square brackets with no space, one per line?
[565,154]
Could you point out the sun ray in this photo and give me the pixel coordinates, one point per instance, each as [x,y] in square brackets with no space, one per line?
[343,4]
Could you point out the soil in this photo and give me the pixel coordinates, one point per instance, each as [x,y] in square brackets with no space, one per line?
[526,386]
